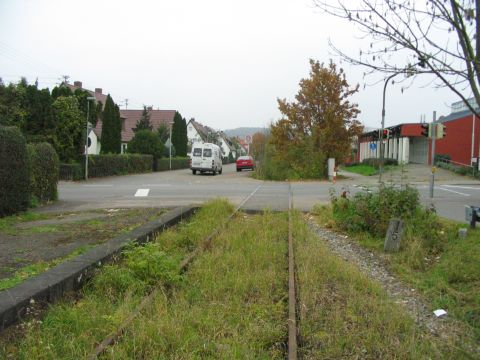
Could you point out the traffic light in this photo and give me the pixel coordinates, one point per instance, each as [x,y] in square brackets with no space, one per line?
[441,131]
[426,130]
[386,134]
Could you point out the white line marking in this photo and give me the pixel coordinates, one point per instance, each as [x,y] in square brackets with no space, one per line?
[142,192]
[453,191]
[462,187]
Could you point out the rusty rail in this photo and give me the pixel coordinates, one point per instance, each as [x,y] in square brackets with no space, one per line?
[292,298]
[113,336]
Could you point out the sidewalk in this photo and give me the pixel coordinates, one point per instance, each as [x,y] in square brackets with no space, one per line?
[411,173]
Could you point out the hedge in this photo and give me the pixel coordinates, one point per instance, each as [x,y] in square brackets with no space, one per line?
[14,172]
[163,164]
[375,162]
[118,164]
[44,167]
[72,172]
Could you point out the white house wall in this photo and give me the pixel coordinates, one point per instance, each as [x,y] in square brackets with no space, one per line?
[397,148]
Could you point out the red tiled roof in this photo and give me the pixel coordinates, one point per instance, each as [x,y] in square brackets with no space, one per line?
[131,118]
[157,117]
[98,96]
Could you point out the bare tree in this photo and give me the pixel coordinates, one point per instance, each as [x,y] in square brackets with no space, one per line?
[440,37]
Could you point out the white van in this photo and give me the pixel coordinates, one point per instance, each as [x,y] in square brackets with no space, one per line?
[206,157]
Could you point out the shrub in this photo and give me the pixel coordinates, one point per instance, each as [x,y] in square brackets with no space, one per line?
[44,168]
[442,158]
[371,212]
[71,172]
[118,164]
[177,163]
[146,142]
[14,172]
[375,162]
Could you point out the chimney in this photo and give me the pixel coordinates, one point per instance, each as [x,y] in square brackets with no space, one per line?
[77,84]
[98,90]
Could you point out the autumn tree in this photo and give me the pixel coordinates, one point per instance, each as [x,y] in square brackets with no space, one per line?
[257,147]
[320,124]
[412,37]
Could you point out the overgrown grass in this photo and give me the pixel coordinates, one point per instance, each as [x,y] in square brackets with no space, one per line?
[432,258]
[232,304]
[69,329]
[37,268]
[6,223]
[343,314]
[362,169]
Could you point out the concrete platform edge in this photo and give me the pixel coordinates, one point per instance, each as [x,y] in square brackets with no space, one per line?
[52,284]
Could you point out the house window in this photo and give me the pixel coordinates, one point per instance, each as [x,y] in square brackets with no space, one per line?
[190,128]
[124,148]
[123,126]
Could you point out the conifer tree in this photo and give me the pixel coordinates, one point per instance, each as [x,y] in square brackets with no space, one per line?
[111,128]
[144,122]
[179,134]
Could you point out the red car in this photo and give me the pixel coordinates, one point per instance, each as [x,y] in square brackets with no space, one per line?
[245,162]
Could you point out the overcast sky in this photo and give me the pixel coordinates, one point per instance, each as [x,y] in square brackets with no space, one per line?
[222,62]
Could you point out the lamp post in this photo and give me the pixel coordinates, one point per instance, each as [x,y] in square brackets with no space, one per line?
[86,139]
[382,148]
[410,70]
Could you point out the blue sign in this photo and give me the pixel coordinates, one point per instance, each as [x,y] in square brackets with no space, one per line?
[373,146]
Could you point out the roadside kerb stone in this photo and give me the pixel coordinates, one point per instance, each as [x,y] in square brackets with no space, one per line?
[52,284]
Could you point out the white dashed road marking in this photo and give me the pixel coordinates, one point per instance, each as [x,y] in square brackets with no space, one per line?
[142,192]
[462,187]
[453,191]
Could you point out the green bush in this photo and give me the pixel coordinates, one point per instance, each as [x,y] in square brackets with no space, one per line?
[372,211]
[71,172]
[118,164]
[442,158]
[14,172]
[44,168]
[375,162]
[177,163]
[146,142]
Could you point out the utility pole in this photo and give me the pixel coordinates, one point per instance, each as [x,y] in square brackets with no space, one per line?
[86,140]
[434,135]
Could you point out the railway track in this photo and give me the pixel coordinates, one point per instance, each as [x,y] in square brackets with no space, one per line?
[292,344]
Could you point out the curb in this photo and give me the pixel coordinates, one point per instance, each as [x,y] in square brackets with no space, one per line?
[52,284]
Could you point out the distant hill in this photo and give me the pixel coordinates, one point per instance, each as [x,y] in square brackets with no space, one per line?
[242,131]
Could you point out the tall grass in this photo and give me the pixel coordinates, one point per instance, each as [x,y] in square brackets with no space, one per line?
[70,329]
[344,315]
[230,306]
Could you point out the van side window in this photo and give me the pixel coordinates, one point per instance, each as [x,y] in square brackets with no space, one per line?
[197,152]
[207,152]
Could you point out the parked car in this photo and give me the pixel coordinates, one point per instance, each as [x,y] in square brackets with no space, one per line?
[245,162]
[206,157]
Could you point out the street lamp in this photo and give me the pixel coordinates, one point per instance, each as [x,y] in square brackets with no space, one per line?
[86,139]
[410,70]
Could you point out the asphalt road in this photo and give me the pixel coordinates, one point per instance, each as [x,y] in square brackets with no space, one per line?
[180,187]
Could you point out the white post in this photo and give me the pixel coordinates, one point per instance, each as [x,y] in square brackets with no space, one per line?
[86,140]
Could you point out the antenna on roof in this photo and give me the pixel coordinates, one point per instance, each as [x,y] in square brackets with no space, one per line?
[126,104]
[65,78]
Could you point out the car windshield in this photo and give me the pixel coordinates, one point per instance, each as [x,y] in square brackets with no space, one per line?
[197,152]
[207,152]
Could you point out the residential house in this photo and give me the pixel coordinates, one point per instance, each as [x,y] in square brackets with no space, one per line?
[129,120]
